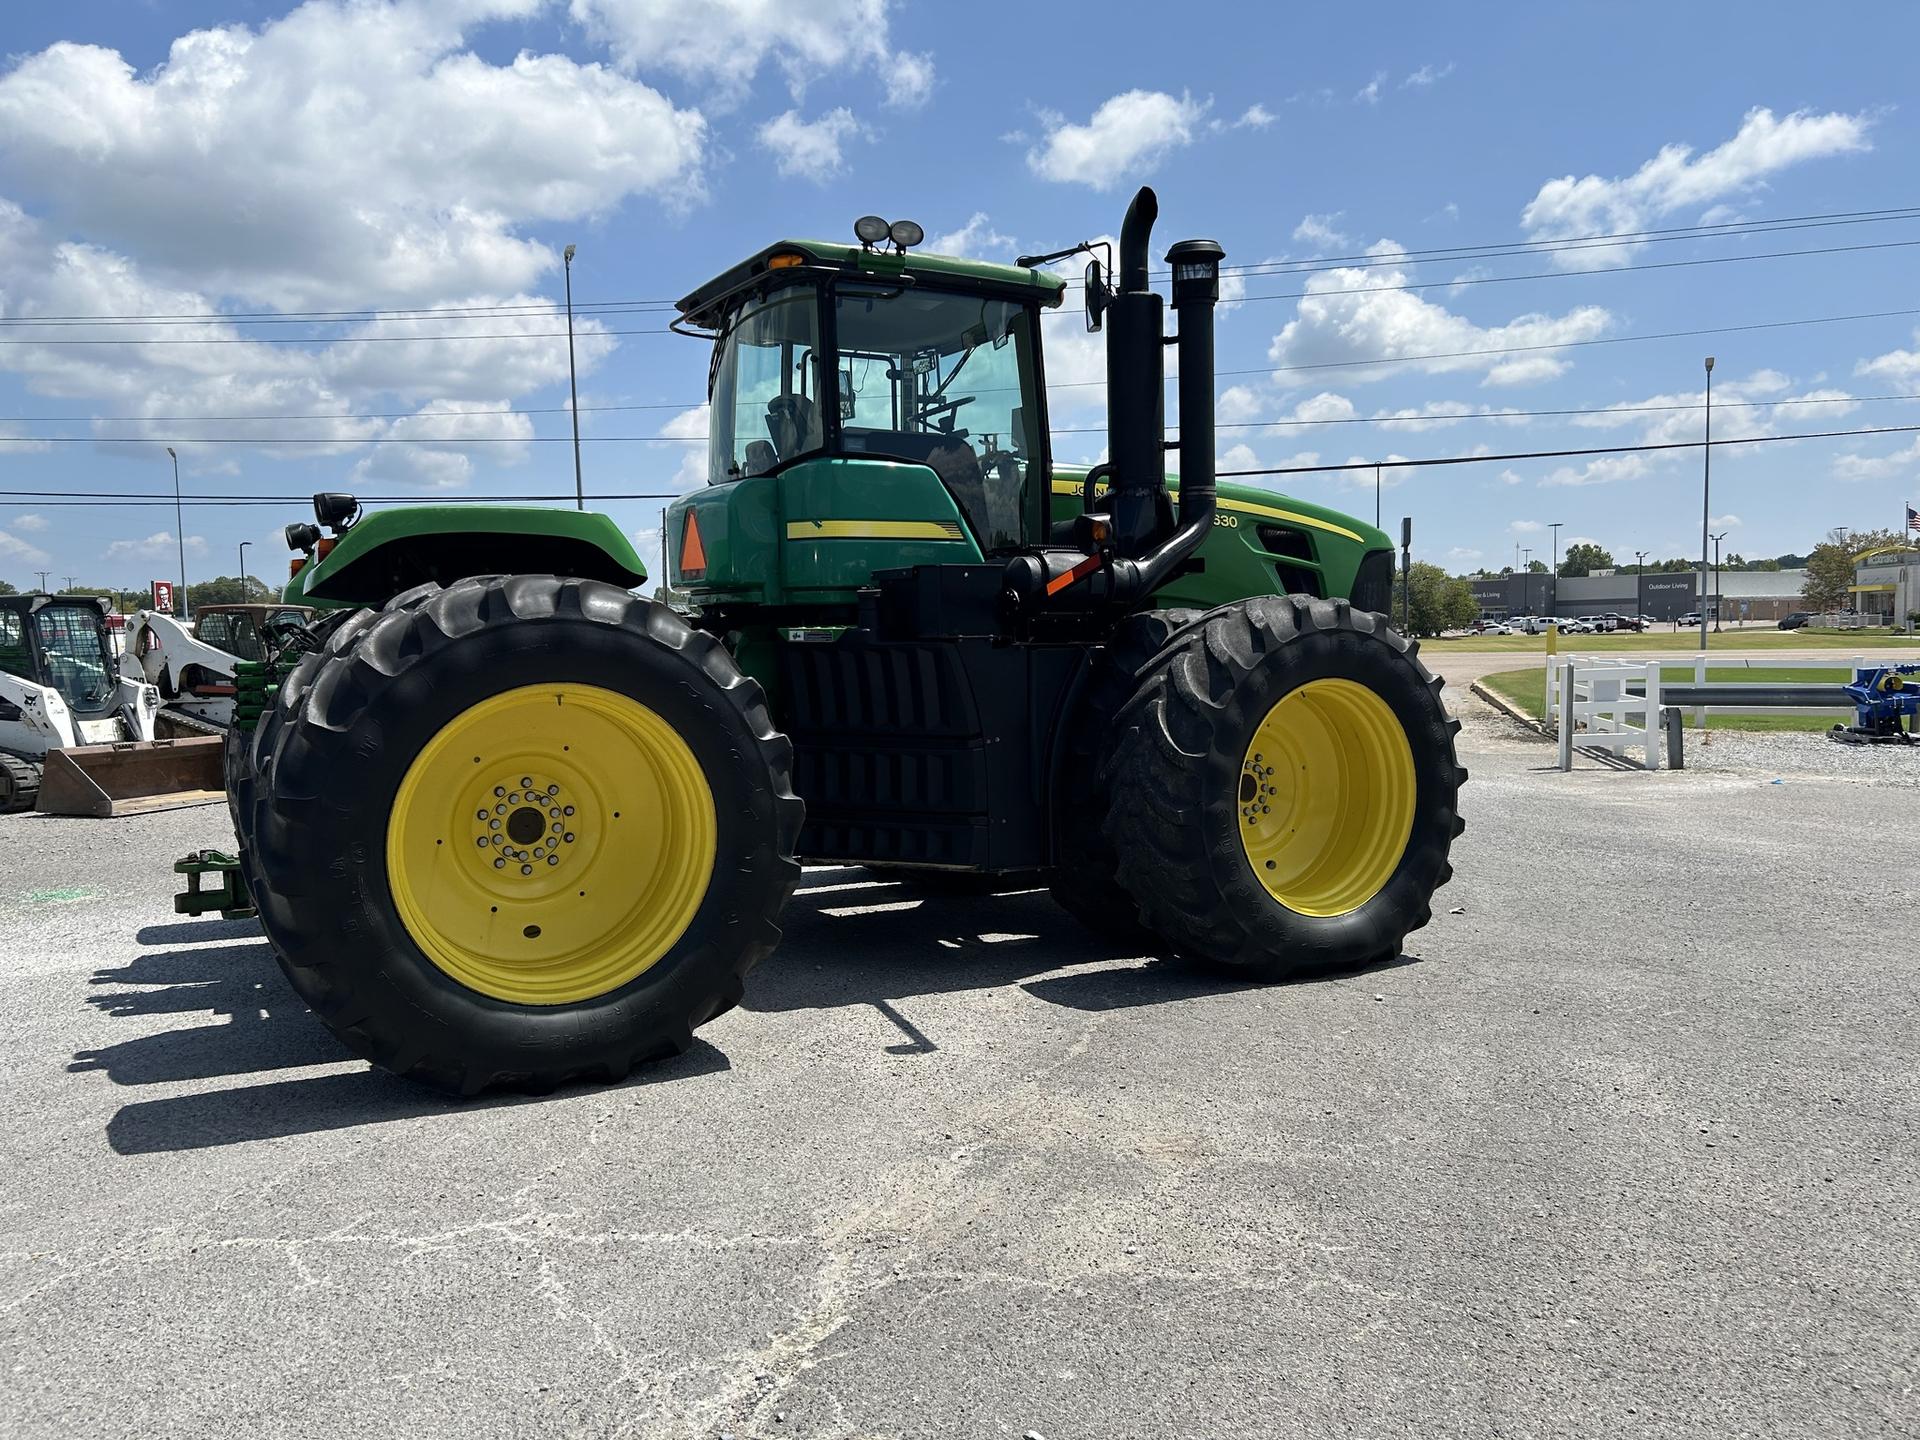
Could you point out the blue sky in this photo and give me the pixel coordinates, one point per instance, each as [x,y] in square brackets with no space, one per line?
[210,160]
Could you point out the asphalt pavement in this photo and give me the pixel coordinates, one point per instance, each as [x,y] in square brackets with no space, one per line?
[1624,1145]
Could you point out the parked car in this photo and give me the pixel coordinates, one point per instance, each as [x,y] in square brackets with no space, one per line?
[1689,622]
[1796,621]
[1627,622]
[1575,626]
[1600,623]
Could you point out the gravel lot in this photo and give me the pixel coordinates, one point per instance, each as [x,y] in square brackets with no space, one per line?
[1624,1145]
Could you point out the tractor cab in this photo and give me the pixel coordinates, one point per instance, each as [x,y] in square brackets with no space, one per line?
[868,408]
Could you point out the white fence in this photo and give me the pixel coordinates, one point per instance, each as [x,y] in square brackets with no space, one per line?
[1593,697]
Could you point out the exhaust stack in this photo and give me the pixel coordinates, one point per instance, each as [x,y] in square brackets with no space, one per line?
[1136,391]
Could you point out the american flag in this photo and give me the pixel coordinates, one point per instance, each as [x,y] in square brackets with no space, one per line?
[1913,518]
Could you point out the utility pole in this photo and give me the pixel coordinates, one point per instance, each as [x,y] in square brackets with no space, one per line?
[1376,497]
[43,580]
[179,531]
[67,588]
[573,389]
[243,569]
[1716,577]
[1706,502]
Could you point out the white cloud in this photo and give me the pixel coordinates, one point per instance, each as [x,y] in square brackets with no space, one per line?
[1126,137]
[12,547]
[909,79]
[1319,230]
[1436,414]
[426,461]
[1461,554]
[1603,471]
[351,153]
[1677,180]
[1236,404]
[725,43]
[1724,522]
[1526,527]
[1511,477]
[1369,93]
[1898,367]
[1677,416]
[810,148]
[1325,406]
[1346,317]
[156,546]
[1427,75]
[1254,117]
[977,239]
[34,524]
[1856,467]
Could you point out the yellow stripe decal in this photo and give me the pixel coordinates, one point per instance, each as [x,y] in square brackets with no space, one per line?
[874,530]
[1245,507]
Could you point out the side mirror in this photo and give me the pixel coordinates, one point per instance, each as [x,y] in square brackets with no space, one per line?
[1097,296]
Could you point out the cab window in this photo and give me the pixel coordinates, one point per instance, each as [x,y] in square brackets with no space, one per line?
[947,381]
[766,387]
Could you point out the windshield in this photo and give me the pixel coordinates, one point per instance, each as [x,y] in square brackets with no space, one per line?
[73,646]
[948,381]
[766,385]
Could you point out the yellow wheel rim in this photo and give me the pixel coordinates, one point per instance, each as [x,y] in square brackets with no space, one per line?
[551,843]
[1326,797]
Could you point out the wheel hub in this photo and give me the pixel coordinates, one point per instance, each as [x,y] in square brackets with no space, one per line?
[525,824]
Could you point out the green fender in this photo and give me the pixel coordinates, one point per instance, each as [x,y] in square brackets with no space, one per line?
[391,551]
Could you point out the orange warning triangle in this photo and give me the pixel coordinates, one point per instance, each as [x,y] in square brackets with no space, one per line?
[693,555]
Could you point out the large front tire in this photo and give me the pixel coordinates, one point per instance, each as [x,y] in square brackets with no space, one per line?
[1284,789]
[525,831]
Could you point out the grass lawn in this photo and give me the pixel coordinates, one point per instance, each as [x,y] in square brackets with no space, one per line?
[1844,641]
[1528,689]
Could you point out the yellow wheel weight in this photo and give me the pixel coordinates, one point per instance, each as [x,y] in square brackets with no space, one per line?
[551,843]
[1326,797]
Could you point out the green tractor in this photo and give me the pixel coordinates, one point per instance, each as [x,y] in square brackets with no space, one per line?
[508,824]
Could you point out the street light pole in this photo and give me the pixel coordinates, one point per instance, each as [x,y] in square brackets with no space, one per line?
[573,388]
[179,531]
[1526,584]
[243,568]
[1376,497]
[1706,502]
[1554,525]
[1716,577]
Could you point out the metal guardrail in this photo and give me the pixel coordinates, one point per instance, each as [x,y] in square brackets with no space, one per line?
[1800,697]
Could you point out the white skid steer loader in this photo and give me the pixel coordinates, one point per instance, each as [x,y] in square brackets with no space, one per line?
[77,736]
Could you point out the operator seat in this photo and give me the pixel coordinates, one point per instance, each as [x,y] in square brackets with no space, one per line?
[792,424]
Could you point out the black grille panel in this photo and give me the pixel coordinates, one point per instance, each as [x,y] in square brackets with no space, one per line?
[1373,585]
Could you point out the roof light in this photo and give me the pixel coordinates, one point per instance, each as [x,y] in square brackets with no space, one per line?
[905,234]
[871,230]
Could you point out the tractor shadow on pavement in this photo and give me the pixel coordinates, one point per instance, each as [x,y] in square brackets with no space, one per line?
[849,941]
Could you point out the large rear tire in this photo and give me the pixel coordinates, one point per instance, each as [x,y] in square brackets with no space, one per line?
[1084,883]
[523,831]
[1284,789]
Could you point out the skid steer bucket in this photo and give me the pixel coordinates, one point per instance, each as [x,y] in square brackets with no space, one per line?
[132,778]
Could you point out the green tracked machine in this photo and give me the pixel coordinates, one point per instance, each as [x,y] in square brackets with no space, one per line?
[508,824]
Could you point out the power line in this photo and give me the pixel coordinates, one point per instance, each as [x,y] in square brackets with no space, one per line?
[1572,454]
[144,497]
[334,415]
[1562,344]
[1493,250]
[329,340]
[1436,418]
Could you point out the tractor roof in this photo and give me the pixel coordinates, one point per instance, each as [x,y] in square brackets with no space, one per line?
[704,306]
